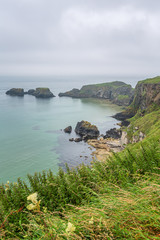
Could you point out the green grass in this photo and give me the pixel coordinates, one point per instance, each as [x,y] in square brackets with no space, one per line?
[151,80]
[122,97]
[114,85]
[114,199]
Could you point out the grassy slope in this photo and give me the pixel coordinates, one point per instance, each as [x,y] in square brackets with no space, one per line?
[151,80]
[118,199]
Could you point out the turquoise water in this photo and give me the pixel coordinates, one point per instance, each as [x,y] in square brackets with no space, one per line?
[31,139]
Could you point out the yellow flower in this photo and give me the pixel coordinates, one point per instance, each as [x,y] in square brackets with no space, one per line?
[91,221]
[35,205]
[44,209]
[70,228]
[33,198]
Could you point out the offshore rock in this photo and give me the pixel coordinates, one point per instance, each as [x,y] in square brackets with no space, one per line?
[16,92]
[87,130]
[31,92]
[68,129]
[43,93]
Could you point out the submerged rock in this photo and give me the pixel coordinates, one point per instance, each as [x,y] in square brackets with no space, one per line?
[16,92]
[68,129]
[87,130]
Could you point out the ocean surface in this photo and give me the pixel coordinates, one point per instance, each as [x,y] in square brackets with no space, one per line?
[31,130]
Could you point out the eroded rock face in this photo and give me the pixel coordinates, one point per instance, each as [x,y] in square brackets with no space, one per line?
[117,92]
[146,94]
[68,129]
[86,130]
[16,92]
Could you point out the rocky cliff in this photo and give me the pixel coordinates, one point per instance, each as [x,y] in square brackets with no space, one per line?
[147,94]
[119,93]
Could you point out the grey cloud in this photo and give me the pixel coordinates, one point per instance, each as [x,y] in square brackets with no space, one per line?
[79,36]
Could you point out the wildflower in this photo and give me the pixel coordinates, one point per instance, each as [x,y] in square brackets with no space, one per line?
[91,221]
[70,228]
[7,186]
[44,209]
[35,205]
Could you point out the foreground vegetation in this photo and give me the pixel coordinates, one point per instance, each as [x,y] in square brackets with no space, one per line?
[116,199]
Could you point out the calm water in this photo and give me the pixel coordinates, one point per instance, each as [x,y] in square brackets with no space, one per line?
[31,139]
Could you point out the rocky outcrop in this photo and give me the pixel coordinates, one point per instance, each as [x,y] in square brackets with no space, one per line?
[147,92]
[68,129]
[86,130]
[41,93]
[122,116]
[113,133]
[38,93]
[31,92]
[16,92]
[73,93]
[117,92]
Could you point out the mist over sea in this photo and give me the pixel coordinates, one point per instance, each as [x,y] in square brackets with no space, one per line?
[31,136]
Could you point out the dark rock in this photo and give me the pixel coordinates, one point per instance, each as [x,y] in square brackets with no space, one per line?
[78,139]
[125,123]
[113,133]
[73,93]
[16,92]
[124,115]
[68,129]
[71,139]
[43,93]
[31,92]
[87,130]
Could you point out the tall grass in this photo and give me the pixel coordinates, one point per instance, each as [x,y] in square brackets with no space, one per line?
[75,186]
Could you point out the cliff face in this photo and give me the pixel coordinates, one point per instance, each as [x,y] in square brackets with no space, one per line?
[146,93]
[119,93]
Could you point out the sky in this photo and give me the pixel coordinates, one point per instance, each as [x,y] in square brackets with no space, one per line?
[78,37]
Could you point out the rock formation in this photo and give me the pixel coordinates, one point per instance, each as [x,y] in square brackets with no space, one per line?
[119,93]
[41,93]
[16,92]
[86,130]
[68,129]
[147,93]
[113,133]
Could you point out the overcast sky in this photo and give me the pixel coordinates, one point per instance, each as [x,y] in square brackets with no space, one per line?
[112,37]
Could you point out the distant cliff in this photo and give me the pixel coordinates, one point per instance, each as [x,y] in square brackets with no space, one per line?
[117,92]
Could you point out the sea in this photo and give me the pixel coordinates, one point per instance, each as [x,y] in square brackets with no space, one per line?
[31,130]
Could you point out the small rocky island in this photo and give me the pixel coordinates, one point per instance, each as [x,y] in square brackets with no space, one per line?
[117,92]
[16,92]
[38,93]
